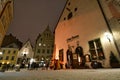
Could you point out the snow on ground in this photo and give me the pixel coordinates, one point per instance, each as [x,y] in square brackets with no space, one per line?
[69,74]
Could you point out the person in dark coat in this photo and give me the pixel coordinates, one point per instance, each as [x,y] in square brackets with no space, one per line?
[69,58]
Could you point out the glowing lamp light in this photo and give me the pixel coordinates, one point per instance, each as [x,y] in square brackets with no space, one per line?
[56,54]
[108,36]
[32,60]
[8,62]
[25,52]
[1,53]
[3,62]
[79,59]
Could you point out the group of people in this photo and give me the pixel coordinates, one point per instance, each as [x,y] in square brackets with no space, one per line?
[33,65]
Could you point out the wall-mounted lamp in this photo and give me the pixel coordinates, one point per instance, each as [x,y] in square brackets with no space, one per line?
[108,36]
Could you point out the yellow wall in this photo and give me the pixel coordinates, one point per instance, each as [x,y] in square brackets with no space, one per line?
[5,52]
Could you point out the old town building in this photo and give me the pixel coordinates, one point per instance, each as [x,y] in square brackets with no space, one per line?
[25,54]
[6,15]
[44,45]
[9,51]
[89,29]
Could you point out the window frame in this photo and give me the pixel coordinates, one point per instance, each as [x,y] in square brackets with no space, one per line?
[96,49]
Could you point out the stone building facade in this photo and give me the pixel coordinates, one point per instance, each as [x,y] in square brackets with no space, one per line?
[44,45]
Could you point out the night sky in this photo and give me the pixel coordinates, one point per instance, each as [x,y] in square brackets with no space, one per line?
[31,17]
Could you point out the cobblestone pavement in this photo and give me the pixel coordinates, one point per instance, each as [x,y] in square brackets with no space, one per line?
[69,74]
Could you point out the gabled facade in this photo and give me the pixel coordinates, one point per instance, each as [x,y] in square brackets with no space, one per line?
[25,52]
[6,15]
[44,45]
[10,40]
[9,51]
[9,55]
[83,24]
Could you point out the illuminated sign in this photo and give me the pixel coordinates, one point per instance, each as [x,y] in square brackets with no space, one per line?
[72,38]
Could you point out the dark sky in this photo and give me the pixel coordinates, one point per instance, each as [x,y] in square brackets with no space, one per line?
[31,17]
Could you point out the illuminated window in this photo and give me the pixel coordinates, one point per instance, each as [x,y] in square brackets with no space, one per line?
[96,49]
[25,51]
[40,44]
[44,44]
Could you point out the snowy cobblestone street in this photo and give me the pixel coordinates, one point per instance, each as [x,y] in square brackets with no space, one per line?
[73,74]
